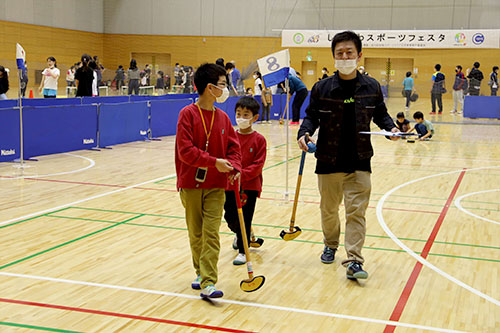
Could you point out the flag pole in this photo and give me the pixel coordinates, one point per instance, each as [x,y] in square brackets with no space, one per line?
[20,74]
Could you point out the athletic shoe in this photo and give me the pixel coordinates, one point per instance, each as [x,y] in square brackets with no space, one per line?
[440,112]
[235,243]
[196,283]
[355,271]
[432,112]
[269,122]
[460,112]
[211,292]
[240,259]
[328,255]
[453,111]
[294,123]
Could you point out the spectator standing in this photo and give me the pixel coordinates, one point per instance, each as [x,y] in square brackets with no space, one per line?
[99,69]
[70,77]
[4,83]
[84,76]
[232,74]
[437,89]
[133,78]
[325,72]
[120,78]
[51,74]
[93,67]
[494,81]
[257,90]
[459,86]
[475,77]
[408,88]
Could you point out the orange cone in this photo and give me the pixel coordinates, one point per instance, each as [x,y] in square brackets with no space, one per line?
[31,94]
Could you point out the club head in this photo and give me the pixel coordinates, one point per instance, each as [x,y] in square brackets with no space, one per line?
[281,122]
[254,284]
[257,242]
[288,235]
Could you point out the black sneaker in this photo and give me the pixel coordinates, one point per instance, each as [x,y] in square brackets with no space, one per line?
[328,255]
[355,271]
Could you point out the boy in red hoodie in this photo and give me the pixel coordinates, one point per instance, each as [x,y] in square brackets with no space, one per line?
[253,157]
[207,154]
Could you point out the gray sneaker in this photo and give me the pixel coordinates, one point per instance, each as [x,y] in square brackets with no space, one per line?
[355,271]
[328,255]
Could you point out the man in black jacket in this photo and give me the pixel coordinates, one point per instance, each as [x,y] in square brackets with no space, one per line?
[341,106]
[475,77]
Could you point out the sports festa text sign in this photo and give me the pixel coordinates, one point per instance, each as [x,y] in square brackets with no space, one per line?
[432,39]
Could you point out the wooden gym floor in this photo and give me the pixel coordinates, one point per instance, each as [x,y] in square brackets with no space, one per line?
[96,242]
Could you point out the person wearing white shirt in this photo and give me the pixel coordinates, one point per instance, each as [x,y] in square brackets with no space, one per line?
[51,74]
[258,84]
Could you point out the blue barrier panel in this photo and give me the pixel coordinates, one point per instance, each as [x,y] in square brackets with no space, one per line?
[120,123]
[10,147]
[228,108]
[277,108]
[164,116]
[58,129]
[302,109]
[8,103]
[105,99]
[482,107]
[140,98]
[51,101]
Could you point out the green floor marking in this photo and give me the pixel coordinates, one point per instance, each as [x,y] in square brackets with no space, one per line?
[40,328]
[32,218]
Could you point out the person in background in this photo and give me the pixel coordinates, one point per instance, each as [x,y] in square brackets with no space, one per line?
[147,70]
[24,79]
[267,102]
[257,90]
[70,77]
[249,92]
[494,81]
[232,74]
[325,72]
[99,69]
[84,76]
[93,67]
[408,88]
[459,86]
[51,74]
[160,83]
[4,83]
[177,76]
[298,88]
[402,123]
[475,77]
[424,127]
[437,89]
[120,78]
[133,78]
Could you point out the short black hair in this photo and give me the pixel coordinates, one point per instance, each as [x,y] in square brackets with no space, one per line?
[52,59]
[495,68]
[207,73]
[459,67]
[229,65]
[400,115]
[249,103]
[476,64]
[418,115]
[346,36]
[133,64]
[408,74]
[437,67]
[220,62]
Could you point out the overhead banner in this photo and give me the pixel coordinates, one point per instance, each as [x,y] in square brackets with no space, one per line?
[408,39]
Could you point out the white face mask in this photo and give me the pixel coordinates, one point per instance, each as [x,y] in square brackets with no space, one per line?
[255,77]
[346,67]
[222,98]
[243,123]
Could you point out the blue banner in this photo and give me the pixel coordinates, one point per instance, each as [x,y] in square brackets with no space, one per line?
[106,99]
[8,103]
[58,129]
[51,101]
[120,123]
[10,147]
[228,107]
[164,116]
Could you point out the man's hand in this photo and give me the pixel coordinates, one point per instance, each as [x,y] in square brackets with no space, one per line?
[395,130]
[223,165]
[303,144]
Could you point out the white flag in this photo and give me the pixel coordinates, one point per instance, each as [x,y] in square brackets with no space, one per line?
[274,67]
[20,56]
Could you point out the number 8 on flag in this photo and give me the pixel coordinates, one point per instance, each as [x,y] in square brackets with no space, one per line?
[274,67]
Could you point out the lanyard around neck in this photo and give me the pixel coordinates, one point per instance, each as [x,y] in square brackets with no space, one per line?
[205,126]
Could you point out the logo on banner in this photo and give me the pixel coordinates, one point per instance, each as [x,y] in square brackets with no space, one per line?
[313,39]
[7,152]
[88,141]
[143,132]
[460,38]
[298,38]
[478,38]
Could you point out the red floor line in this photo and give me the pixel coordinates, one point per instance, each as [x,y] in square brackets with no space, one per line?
[405,295]
[121,315]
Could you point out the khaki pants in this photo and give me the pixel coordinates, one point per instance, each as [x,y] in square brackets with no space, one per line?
[355,188]
[203,218]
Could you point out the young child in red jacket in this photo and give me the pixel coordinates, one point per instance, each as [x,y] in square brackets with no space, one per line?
[253,157]
[207,155]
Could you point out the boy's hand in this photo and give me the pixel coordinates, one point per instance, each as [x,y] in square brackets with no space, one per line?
[223,165]
[395,130]
[234,178]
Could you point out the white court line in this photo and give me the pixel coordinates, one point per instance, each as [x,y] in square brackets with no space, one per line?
[92,163]
[459,205]
[424,262]
[83,200]
[228,301]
